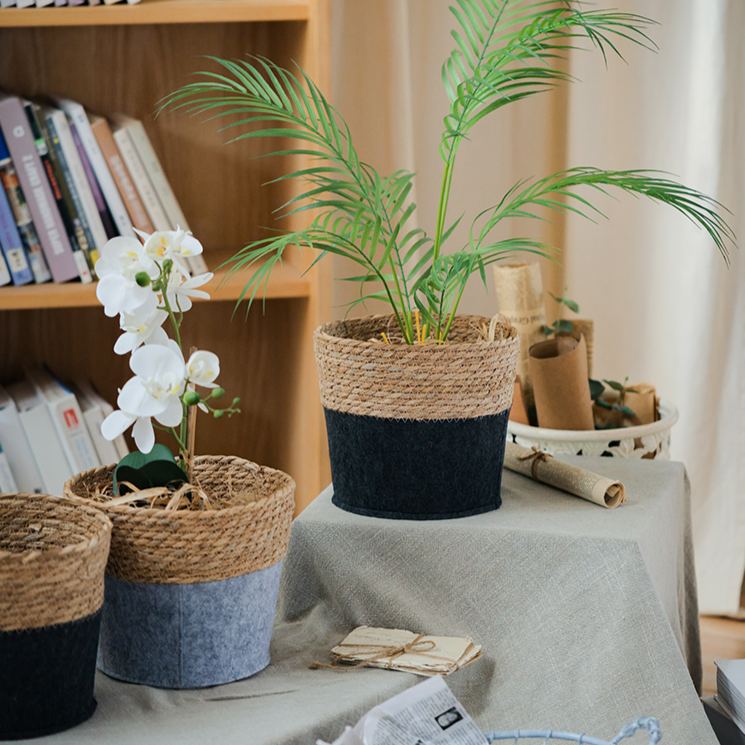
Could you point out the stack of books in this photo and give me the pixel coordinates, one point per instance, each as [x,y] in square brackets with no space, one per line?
[49,432]
[726,710]
[70,182]
[44,3]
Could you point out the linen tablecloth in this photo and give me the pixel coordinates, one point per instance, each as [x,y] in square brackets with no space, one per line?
[587,617]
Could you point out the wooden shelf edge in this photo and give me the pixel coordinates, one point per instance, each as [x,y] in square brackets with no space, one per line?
[286,282]
[157,12]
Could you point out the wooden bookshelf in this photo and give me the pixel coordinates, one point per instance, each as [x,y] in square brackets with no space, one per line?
[125,58]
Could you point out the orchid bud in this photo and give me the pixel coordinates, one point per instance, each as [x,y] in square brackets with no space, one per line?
[218,413]
[191,398]
[218,392]
[142,279]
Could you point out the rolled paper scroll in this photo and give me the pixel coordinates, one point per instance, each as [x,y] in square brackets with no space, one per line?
[543,467]
[583,327]
[520,297]
[558,368]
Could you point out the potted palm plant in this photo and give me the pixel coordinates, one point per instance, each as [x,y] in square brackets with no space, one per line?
[197,542]
[411,433]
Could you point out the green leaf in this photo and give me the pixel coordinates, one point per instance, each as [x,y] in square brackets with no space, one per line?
[623,409]
[614,384]
[603,404]
[144,470]
[564,327]
[596,389]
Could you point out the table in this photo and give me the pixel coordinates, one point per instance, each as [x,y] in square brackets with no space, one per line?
[587,617]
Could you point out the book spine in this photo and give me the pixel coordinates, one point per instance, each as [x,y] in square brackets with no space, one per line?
[82,229]
[141,180]
[7,482]
[73,231]
[120,174]
[111,195]
[78,2]
[10,241]
[87,210]
[46,448]
[36,189]
[103,211]
[31,246]
[17,448]
[5,278]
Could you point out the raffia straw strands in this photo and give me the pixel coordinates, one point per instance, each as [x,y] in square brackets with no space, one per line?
[464,377]
[245,528]
[53,553]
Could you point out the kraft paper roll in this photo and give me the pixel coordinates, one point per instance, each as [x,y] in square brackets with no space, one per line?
[569,478]
[583,327]
[520,297]
[558,369]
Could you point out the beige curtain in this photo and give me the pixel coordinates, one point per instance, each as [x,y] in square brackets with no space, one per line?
[666,308]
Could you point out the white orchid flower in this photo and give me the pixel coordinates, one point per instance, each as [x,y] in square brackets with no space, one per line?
[143,325]
[154,392]
[122,259]
[171,244]
[182,288]
[202,368]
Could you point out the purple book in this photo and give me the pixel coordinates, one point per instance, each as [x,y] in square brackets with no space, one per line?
[36,189]
[76,2]
[103,210]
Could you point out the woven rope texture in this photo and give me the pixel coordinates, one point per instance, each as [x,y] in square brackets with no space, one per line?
[189,546]
[52,558]
[465,377]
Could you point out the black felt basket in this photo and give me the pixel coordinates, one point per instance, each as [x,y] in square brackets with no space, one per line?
[53,553]
[416,431]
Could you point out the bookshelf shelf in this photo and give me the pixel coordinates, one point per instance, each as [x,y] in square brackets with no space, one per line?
[286,282]
[124,59]
[159,11]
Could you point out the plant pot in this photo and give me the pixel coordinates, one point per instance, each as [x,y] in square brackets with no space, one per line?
[191,594]
[644,441]
[416,431]
[52,558]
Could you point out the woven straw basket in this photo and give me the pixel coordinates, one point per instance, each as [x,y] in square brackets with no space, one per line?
[191,594]
[190,546]
[416,431]
[53,553]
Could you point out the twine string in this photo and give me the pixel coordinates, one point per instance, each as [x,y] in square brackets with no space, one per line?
[343,662]
[535,456]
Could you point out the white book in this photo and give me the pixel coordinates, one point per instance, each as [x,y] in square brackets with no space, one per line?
[60,2]
[7,3]
[16,447]
[78,116]
[7,482]
[24,3]
[161,185]
[106,409]
[42,437]
[67,419]
[79,179]
[139,177]
[5,278]
[93,416]
[44,3]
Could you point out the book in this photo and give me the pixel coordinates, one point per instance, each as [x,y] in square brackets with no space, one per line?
[67,419]
[174,214]
[7,482]
[11,244]
[44,3]
[42,437]
[120,174]
[80,122]
[77,182]
[94,416]
[5,278]
[726,730]
[139,177]
[45,149]
[16,446]
[106,408]
[36,189]
[31,245]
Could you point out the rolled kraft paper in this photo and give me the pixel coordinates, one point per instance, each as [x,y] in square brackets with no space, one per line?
[558,368]
[583,327]
[569,478]
[520,297]
[517,412]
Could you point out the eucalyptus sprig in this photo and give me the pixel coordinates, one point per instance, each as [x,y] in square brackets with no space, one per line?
[506,51]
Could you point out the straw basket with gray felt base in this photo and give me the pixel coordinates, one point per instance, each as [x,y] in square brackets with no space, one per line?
[191,593]
[416,431]
[52,558]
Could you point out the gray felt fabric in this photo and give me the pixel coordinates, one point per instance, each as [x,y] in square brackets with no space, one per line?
[585,615]
[188,636]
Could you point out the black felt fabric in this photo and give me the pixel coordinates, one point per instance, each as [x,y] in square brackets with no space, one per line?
[46,677]
[416,470]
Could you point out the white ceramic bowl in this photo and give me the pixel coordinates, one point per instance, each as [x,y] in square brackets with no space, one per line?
[647,440]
